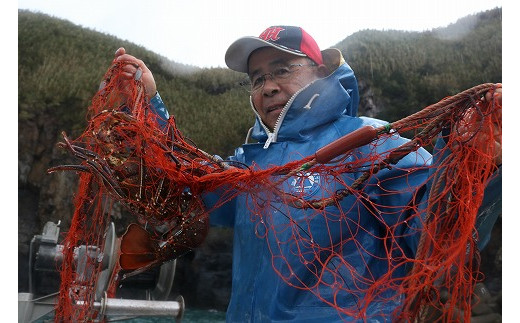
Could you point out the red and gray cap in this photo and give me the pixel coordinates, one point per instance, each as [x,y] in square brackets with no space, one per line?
[290,39]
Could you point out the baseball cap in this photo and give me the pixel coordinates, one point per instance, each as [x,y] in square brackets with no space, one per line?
[289,39]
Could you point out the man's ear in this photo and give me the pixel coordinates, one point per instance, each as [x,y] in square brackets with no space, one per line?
[323,71]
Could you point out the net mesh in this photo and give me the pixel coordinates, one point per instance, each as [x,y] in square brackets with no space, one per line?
[160,177]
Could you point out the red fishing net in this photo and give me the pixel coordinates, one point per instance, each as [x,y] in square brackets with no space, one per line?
[160,177]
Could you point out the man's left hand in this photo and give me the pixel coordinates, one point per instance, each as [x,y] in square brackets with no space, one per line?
[472,133]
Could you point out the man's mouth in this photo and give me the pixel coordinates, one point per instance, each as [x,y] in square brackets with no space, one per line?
[274,108]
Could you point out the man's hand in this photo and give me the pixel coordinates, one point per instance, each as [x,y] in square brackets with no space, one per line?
[132,68]
[472,133]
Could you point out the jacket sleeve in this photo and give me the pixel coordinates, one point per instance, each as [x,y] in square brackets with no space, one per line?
[157,106]
[222,204]
[491,207]
[220,215]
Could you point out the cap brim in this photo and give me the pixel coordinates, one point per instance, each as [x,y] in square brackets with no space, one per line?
[237,55]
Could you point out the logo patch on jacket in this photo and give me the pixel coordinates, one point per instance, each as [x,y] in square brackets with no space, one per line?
[304,184]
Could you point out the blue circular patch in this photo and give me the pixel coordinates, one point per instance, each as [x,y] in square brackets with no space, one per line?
[304,184]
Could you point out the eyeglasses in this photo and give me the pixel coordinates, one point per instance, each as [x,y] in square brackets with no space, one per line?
[279,75]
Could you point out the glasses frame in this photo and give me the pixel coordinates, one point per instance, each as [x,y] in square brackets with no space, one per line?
[275,76]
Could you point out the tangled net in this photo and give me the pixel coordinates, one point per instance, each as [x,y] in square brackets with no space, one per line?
[160,177]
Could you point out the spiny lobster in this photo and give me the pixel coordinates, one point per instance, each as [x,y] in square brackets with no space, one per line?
[131,156]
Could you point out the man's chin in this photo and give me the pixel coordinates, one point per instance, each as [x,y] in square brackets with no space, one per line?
[272,117]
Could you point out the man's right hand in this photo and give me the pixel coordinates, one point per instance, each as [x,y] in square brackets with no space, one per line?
[131,68]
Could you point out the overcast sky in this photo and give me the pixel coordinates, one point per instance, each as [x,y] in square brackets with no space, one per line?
[198,32]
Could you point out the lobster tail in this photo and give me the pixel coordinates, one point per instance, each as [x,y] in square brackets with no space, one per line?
[138,249]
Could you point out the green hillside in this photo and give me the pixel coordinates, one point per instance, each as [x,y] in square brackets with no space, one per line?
[410,70]
[61,64]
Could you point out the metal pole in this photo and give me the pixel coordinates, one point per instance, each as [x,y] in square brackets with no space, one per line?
[115,306]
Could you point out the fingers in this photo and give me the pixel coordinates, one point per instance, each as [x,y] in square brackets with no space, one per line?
[136,69]
[487,139]
[483,130]
[130,60]
[495,97]
[134,66]
[120,51]
[495,93]
[133,63]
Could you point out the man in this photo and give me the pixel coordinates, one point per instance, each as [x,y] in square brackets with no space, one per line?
[305,98]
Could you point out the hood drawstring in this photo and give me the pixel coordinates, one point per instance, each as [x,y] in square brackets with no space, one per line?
[249,132]
[308,105]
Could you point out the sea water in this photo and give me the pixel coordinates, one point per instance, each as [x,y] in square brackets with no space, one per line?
[191,315]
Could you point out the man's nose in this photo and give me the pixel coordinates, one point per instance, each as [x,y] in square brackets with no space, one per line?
[270,86]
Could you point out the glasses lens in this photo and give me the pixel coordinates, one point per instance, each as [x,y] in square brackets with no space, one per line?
[258,82]
[284,72]
[246,84]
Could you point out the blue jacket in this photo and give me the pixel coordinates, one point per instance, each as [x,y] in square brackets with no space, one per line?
[323,111]
[320,113]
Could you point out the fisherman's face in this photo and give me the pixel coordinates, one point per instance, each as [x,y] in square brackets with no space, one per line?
[270,99]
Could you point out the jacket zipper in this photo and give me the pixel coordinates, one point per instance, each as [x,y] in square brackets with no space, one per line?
[272,136]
